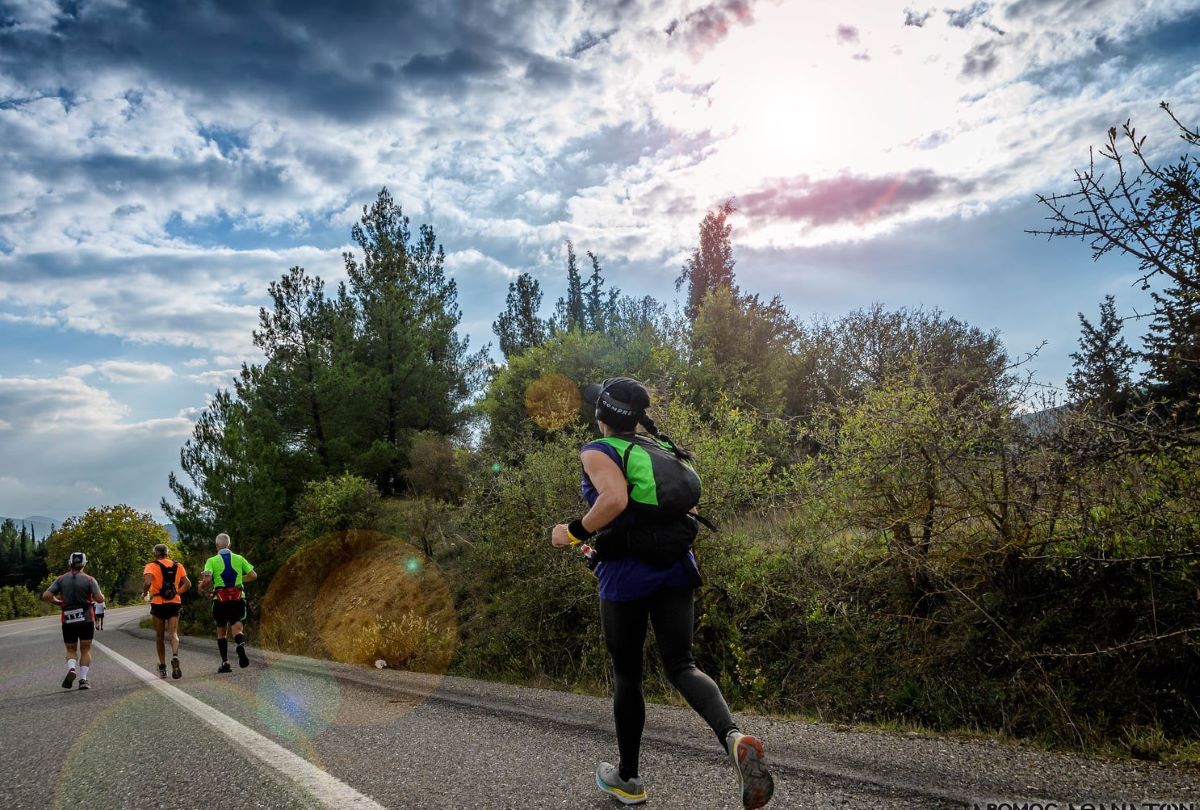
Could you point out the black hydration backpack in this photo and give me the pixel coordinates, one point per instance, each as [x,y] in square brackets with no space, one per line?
[167,591]
[661,484]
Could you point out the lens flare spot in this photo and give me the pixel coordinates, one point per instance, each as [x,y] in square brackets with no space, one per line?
[298,703]
[362,597]
[552,401]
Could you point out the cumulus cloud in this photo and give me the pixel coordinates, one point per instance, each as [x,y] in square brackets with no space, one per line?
[216,378]
[916,18]
[81,448]
[46,404]
[980,60]
[125,371]
[963,17]
[708,25]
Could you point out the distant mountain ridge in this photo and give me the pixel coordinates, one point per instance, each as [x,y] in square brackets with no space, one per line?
[42,525]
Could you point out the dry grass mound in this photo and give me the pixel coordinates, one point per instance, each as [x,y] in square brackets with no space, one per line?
[361,597]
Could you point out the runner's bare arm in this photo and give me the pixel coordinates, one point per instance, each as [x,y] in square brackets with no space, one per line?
[249,576]
[185,585]
[606,476]
[610,483]
[205,581]
[147,581]
[48,596]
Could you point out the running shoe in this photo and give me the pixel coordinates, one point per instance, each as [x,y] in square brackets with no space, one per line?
[224,668]
[753,776]
[176,672]
[70,679]
[626,791]
[162,671]
[83,684]
[243,659]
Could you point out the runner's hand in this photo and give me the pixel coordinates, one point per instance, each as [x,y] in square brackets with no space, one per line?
[559,537]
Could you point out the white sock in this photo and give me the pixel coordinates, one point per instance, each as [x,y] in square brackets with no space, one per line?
[731,740]
[70,664]
[83,672]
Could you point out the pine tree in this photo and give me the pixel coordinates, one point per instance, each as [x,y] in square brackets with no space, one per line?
[711,264]
[412,371]
[519,328]
[240,481]
[1104,362]
[295,335]
[1172,347]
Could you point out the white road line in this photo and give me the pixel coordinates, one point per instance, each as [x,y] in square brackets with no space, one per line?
[327,789]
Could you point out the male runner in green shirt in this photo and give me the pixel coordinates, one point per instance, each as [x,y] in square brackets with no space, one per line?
[224,574]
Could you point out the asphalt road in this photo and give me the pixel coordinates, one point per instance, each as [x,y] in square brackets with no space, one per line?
[294,732]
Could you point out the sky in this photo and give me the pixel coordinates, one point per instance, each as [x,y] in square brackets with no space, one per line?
[161,162]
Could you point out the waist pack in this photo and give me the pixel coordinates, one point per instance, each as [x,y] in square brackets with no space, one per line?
[659,543]
[232,594]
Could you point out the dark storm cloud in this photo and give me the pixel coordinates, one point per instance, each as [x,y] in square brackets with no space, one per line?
[847,198]
[450,65]
[333,59]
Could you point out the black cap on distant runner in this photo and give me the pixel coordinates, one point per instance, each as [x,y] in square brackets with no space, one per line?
[620,401]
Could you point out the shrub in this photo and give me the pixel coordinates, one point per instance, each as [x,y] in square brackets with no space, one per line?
[337,504]
[17,602]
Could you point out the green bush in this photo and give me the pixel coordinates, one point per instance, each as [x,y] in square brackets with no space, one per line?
[17,603]
[337,504]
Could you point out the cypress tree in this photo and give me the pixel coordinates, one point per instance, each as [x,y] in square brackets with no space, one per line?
[1104,362]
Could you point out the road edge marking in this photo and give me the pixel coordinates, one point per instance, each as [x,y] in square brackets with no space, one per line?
[324,787]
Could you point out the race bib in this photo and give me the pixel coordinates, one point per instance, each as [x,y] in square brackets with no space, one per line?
[73,616]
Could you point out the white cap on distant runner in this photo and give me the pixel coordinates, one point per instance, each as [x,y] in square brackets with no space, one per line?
[77,560]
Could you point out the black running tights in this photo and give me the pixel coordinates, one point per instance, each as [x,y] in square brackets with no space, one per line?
[672,612]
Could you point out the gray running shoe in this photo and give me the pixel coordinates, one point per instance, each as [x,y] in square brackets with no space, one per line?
[748,757]
[83,684]
[626,791]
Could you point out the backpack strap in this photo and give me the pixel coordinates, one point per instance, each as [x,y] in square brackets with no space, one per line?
[164,569]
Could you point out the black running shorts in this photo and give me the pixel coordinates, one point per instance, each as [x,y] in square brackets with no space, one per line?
[224,613]
[166,610]
[78,631]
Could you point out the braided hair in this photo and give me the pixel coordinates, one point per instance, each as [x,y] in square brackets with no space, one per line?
[652,429]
